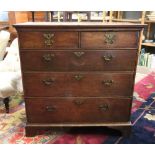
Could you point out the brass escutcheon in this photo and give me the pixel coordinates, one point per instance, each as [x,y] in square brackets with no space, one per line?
[103,107]
[50,108]
[48,81]
[107,58]
[49,39]
[48,57]
[78,102]
[110,37]
[78,77]
[79,54]
[108,83]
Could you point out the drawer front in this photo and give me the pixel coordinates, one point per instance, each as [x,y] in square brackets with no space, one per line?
[48,40]
[79,60]
[77,84]
[77,110]
[109,40]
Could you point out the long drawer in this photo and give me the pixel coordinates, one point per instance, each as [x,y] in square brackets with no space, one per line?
[48,40]
[113,60]
[77,84]
[109,40]
[77,110]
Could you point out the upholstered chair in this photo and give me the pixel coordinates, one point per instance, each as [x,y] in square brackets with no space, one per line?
[4,39]
[10,75]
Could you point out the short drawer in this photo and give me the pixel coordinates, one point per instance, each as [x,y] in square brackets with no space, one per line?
[48,40]
[109,40]
[77,110]
[79,60]
[74,84]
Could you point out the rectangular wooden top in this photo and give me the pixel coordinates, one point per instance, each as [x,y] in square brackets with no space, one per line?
[80,24]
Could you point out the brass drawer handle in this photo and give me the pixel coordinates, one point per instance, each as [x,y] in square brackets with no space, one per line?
[50,108]
[79,54]
[48,81]
[107,58]
[48,57]
[110,37]
[78,102]
[49,39]
[78,77]
[108,83]
[103,107]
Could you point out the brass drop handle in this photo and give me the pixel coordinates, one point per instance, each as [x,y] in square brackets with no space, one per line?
[48,57]
[108,83]
[49,39]
[50,108]
[110,37]
[48,81]
[107,58]
[78,77]
[79,54]
[103,107]
[78,102]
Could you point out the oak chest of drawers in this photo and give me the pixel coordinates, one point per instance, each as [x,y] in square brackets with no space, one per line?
[78,74]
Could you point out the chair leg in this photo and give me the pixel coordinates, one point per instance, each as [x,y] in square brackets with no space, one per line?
[6,102]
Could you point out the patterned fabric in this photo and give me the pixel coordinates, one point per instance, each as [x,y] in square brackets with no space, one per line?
[142,118]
